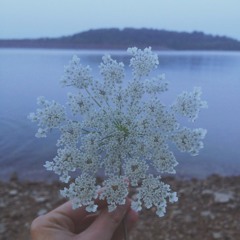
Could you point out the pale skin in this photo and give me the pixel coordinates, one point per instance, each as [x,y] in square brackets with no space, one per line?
[64,223]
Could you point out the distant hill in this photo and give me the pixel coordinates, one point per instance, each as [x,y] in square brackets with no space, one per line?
[121,39]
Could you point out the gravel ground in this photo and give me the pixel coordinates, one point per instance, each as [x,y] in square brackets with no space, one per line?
[207,209]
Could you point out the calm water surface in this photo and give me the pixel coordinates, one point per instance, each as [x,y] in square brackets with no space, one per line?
[27,74]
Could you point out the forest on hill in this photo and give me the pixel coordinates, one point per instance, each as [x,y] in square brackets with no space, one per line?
[115,38]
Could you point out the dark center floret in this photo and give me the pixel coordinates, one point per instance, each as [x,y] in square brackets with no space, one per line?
[89,161]
[134,168]
[114,187]
[122,128]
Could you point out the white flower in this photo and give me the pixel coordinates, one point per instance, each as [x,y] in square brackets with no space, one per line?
[79,103]
[41,133]
[70,133]
[50,116]
[77,75]
[188,140]
[163,118]
[82,192]
[135,90]
[143,61]
[189,104]
[120,130]
[173,197]
[156,85]
[112,71]
[165,162]
[153,192]
[135,170]
[66,160]
[89,162]
[115,191]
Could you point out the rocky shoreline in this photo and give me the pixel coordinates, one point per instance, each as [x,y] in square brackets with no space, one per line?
[207,209]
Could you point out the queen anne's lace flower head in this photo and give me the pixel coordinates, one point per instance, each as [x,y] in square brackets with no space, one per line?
[115,191]
[121,130]
[189,104]
[188,140]
[50,116]
[77,75]
[65,161]
[70,134]
[82,192]
[142,62]
[112,71]
[135,170]
[156,85]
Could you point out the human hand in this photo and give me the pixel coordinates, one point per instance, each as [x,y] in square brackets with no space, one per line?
[64,223]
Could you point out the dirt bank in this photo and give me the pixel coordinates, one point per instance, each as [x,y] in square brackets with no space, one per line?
[207,209]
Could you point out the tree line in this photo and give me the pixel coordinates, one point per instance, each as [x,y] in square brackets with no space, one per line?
[115,38]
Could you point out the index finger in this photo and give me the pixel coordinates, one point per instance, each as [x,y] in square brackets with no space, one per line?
[76,214]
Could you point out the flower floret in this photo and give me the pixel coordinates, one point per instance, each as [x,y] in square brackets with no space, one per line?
[143,61]
[52,115]
[153,192]
[115,191]
[65,161]
[135,169]
[112,71]
[77,75]
[189,104]
[82,192]
[188,140]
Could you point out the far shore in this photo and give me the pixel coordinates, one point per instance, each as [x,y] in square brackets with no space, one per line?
[67,45]
[22,44]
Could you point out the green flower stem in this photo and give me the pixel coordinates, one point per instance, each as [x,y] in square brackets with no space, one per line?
[125,232]
[93,98]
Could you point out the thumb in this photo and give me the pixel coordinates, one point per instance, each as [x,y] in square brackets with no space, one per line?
[106,223]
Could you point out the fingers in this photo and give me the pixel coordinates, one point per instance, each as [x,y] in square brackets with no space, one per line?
[76,215]
[101,225]
[130,220]
[106,223]
[66,210]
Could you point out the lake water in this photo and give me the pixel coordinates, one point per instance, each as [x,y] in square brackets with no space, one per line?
[26,74]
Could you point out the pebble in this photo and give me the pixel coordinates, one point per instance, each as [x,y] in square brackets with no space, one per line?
[176,212]
[207,214]
[40,199]
[13,192]
[2,204]
[207,192]
[2,228]
[233,205]
[194,208]
[220,197]
[42,212]
[187,218]
[15,215]
[217,235]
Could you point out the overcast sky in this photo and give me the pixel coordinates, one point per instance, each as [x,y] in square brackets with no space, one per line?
[53,18]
